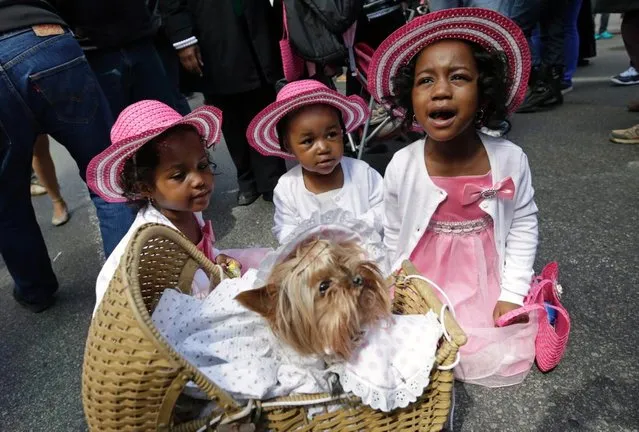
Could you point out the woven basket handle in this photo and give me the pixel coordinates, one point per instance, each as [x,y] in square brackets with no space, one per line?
[455,332]
[144,234]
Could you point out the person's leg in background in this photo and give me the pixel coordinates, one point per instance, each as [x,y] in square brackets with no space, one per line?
[148,76]
[603,27]
[21,243]
[45,170]
[546,90]
[111,68]
[571,43]
[239,110]
[171,64]
[81,123]
[630,36]
[267,169]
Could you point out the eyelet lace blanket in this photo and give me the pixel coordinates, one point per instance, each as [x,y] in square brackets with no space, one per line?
[235,348]
[392,367]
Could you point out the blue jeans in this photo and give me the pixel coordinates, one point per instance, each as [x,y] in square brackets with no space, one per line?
[131,74]
[571,39]
[46,86]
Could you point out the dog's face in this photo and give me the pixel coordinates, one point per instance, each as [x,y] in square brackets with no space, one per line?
[321,297]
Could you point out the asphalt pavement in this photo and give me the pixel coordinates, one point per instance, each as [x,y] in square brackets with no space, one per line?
[588,197]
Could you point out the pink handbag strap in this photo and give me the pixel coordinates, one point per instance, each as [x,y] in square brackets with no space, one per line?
[285,36]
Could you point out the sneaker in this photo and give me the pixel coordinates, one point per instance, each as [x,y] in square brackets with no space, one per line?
[378,115]
[497,130]
[545,93]
[628,77]
[606,35]
[625,136]
[566,87]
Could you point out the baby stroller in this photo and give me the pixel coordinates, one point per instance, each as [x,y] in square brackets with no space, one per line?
[382,123]
[132,378]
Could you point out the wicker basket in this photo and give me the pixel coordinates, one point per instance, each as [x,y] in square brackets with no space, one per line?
[132,378]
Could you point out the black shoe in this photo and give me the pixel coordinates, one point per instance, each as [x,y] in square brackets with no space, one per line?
[247,198]
[35,307]
[546,92]
[268,196]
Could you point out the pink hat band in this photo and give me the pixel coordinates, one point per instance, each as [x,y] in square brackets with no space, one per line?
[136,125]
[262,131]
[487,28]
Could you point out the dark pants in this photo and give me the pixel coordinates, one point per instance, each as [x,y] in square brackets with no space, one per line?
[603,22]
[131,74]
[255,173]
[548,39]
[171,63]
[46,86]
[630,35]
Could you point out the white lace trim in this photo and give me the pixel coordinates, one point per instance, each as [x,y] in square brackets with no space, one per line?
[335,224]
[387,396]
[384,399]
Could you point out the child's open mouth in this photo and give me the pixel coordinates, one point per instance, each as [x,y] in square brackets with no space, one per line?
[442,118]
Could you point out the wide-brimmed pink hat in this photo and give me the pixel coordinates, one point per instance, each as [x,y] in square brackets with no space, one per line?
[489,29]
[262,132]
[136,125]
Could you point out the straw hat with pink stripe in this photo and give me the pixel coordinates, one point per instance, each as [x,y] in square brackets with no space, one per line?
[487,28]
[137,125]
[262,132]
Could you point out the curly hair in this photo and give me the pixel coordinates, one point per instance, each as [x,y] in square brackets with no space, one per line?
[138,174]
[493,85]
[282,126]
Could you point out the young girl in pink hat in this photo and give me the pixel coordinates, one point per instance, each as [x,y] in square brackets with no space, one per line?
[307,123]
[460,204]
[158,163]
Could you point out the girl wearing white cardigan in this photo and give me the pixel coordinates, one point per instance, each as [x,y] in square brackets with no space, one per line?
[459,204]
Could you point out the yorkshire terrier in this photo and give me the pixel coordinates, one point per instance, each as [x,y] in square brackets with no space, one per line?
[321,297]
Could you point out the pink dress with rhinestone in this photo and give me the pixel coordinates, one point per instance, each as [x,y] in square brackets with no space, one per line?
[458,253]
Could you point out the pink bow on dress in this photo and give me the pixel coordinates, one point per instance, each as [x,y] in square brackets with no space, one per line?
[504,189]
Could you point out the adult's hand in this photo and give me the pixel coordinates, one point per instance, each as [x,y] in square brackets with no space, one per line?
[191,59]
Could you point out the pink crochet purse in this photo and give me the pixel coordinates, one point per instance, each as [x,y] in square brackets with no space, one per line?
[292,64]
[543,297]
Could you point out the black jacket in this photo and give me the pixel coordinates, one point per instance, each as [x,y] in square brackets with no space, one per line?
[96,23]
[240,53]
[110,23]
[17,14]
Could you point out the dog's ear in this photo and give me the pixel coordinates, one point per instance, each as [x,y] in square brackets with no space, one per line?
[261,300]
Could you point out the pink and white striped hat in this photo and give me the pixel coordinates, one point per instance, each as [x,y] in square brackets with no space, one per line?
[136,125]
[489,29]
[262,132]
